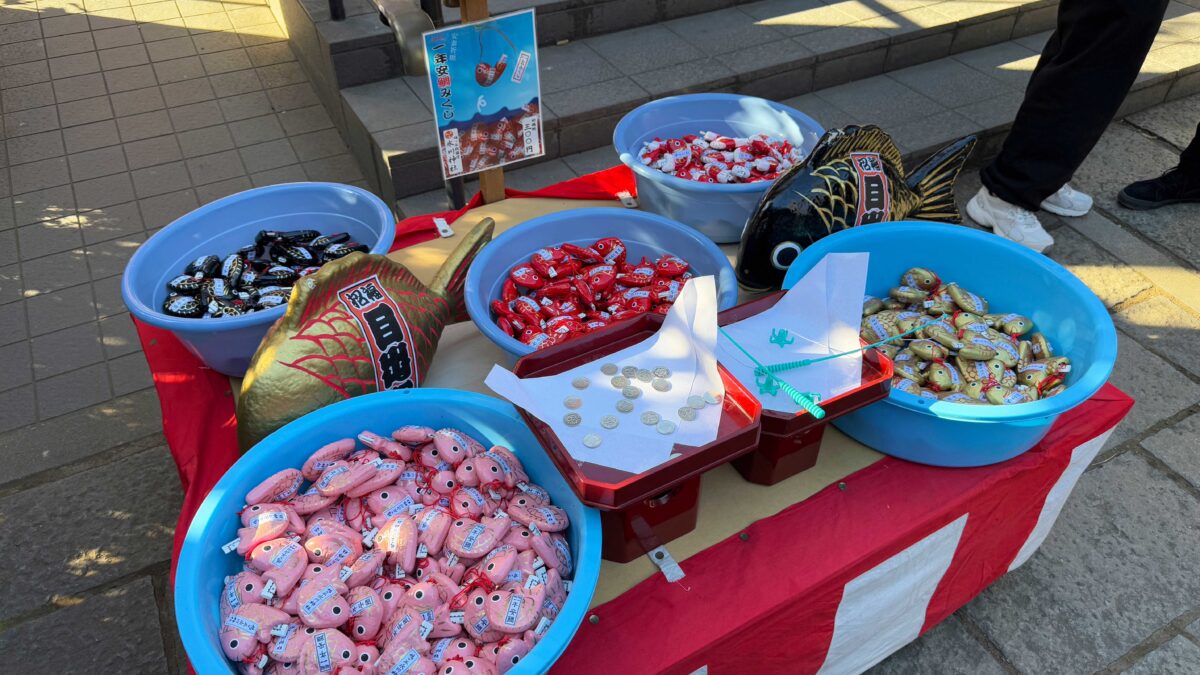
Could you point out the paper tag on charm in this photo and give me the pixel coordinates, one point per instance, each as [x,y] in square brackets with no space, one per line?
[662,559]
[458,617]
[345,573]
[426,629]
[230,547]
[443,228]
[542,626]
[422,551]
[627,200]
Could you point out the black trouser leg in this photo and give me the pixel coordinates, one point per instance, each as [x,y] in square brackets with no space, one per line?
[1080,81]
[1189,159]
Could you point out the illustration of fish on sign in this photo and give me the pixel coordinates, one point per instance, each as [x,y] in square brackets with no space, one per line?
[361,324]
[854,176]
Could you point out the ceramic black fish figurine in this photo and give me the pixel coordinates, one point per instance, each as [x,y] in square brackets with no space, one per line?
[854,176]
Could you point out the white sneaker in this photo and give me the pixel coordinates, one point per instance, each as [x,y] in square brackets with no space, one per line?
[1009,221]
[1068,202]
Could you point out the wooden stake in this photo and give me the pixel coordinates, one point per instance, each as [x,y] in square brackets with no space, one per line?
[491,181]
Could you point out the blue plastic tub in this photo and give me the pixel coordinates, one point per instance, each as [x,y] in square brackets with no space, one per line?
[645,234]
[222,227]
[202,567]
[1013,279]
[718,210]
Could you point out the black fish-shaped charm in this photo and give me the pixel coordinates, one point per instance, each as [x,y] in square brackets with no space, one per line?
[328,239]
[185,285]
[276,275]
[854,176]
[185,306]
[232,267]
[335,251]
[289,254]
[207,265]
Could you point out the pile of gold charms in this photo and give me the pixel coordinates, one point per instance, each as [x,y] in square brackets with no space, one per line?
[963,354]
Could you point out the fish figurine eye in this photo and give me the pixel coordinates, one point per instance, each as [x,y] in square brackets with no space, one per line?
[784,254]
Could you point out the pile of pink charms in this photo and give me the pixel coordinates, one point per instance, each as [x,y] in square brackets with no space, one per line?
[567,291]
[424,552]
[709,157]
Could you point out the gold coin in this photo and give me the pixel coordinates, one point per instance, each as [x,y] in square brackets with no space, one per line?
[629,371]
[624,406]
[572,419]
[609,369]
[661,385]
[620,381]
[592,440]
[666,427]
[645,375]
[580,383]
[687,414]
[573,402]
[696,402]
[631,392]
[650,418]
[662,371]
[609,422]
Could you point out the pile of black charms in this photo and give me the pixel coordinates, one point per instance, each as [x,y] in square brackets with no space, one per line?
[257,276]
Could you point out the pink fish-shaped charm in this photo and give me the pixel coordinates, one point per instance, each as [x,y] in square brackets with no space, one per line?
[281,562]
[468,666]
[402,626]
[277,488]
[356,513]
[366,613]
[516,611]
[398,657]
[288,644]
[310,501]
[386,473]
[433,525]
[518,537]
[413,436]
[324,458]
[546,517]
[470,539]
[451,648]
[398,539]
[365,658]
[322,605]
[509,654]
[342,476]
[453,446]
[556,595]
[475,617]
[368,566]
[387,447]
[498,563]
[263,522]
[248,627]
[327,651]
[333,549]
[241,589]
[469,501]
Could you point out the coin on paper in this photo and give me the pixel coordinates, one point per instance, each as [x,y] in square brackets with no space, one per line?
[625,406]
[661,385]
[650,418]
[631,392]
[592,440]
[629,371]
[645,375]
[572,419]
[609,422]
[666,427]
[687,414]
[609,369]
[712,398]
[573,402]
[580,383]
[662,371]
[620,381]
[696,402]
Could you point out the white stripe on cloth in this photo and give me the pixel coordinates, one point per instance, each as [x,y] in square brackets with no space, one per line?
[883,609]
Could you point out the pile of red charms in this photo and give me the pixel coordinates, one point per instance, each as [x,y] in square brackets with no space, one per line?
[567,291]
[709,157]
[421,553]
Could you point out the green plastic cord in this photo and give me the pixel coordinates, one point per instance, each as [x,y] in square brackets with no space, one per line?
[792,365]
[800,398]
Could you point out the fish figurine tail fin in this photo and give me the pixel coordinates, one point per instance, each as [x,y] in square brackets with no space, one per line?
[451,277]
[934,180]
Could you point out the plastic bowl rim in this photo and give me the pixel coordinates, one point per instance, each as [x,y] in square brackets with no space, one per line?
[154,317]
[200,653]
[480,311]
[1089,382]
[630,160]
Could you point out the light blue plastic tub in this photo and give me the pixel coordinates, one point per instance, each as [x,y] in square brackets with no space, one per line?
[645,234]
[202,567]
[220,228]
[718,210]
[1013,279]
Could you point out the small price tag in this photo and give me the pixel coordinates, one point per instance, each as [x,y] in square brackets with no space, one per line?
[280,630]
[398,573]
[458,617]
[426,629]
[542,626]
[368,538]
[451,559]
[414,509]
[268,591]
[345,573]
[532,581]
[500,513]
[533,529]
[443,228]
[231,546]
[567,585]
[627,199]
[422,551]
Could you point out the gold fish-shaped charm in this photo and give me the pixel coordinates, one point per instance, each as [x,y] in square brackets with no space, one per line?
[966,300]
[919,277]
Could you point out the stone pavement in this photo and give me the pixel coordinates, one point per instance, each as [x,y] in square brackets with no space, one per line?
[119,116]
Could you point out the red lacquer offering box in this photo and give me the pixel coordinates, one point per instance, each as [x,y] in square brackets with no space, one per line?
[640,512]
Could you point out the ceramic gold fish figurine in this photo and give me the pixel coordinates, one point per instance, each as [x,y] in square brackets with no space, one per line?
[854,176]
[363,323]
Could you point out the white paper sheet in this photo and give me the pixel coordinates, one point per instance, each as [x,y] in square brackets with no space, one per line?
[685,344]
[822,315]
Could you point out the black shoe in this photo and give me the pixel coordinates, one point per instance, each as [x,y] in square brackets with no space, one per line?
[1173,187]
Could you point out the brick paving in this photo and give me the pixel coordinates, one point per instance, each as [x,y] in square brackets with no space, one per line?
[119,116]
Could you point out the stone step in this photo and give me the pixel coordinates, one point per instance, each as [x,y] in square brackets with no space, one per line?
[772,48]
